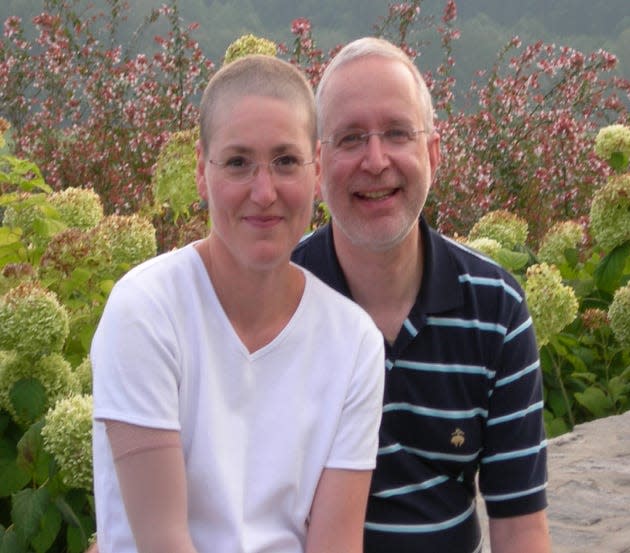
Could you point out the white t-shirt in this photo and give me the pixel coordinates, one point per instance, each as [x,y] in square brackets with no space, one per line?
[257,429]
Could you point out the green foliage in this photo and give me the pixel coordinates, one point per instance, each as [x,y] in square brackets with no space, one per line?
[174,182]
[59,258]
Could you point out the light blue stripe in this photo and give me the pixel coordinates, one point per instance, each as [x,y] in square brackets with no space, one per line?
[395,448]
[518,330]
[505,496]
[517,375]
[445,368]
[516,414]
[515,454]
[466,323]
[388,364]
[410,328]
[495,282]
[437,413]
[403,490]
[421,528]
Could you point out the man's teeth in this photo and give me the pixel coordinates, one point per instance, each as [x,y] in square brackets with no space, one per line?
[376,195]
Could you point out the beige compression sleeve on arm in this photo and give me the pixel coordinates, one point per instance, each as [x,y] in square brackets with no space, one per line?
[151,473]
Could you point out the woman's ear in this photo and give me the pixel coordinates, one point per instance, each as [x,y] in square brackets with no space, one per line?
[200,172]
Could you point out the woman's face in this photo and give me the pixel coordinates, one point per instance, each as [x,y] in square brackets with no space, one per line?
[258,209]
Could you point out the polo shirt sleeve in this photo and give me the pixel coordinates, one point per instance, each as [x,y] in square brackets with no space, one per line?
[513,473]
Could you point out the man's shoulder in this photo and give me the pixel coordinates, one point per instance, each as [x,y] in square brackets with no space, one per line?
[312,246]
[472,262]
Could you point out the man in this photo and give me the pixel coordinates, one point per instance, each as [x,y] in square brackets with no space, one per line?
[463,388]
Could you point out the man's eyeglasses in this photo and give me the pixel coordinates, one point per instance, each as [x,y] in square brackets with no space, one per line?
[239,169]
[354,141]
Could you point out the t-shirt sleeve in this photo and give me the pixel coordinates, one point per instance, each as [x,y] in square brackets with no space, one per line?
[134,357]
[356,441]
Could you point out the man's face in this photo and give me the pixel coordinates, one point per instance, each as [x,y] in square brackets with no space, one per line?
[376,191]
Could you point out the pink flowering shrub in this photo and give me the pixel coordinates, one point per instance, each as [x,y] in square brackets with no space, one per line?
[89,113]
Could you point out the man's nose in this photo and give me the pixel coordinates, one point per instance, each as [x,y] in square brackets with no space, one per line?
[375,156]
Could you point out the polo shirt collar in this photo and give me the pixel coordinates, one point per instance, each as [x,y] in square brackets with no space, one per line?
[440,290]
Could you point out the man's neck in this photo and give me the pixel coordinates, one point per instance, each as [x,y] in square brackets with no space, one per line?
[384,283]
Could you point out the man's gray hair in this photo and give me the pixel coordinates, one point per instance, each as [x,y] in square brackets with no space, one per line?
[372,46]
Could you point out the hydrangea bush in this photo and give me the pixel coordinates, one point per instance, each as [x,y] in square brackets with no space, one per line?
[59,257]
[576,286]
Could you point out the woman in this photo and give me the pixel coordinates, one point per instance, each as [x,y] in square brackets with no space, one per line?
[236,397]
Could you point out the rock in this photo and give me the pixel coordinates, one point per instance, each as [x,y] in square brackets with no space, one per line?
[589,488]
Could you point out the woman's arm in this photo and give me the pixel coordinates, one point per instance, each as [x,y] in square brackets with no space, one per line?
[152,477]
[338,512]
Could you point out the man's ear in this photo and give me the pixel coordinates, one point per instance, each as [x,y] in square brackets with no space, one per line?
[318,171]
[200,172]
[433,145]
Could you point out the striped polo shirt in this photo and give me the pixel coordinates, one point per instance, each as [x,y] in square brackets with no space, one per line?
[463,399]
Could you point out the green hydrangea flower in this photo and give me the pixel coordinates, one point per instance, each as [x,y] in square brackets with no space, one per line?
[174,182]
[610,212]
[52,371]
[506,228]
[67,436]
[562,236]
[83,373]
[78,207]
[131,239]
[619,315]
[487,246]
[613,139]
[249,44]
[552,304]
[37,219]
[32,321]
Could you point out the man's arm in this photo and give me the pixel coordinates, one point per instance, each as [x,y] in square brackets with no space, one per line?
[338,512]
[520,534]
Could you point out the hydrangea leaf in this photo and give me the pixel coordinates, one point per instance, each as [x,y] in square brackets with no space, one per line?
[50,525]
[556,403]
[12,477]
[32,457]
[618,161]
[28,508]
[28,397]
[511,260]
[9,236]
[610,270]
[596,401]
[9,542]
